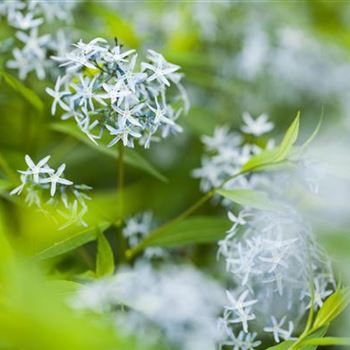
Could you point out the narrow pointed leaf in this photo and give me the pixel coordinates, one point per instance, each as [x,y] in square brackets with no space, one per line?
[278,154]
[327,341]
[332,307]
[281,346]
[250,198]
[66,245]
[193,230]
[105,258]
[289,139]
[25,92]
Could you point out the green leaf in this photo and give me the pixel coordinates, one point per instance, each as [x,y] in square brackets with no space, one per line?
[297,151]
[316,334]
[288,344]
[34,315]
[131,157]
[281,346]
[25,92]
[313,135]
[105,258]
[84,236]
[278,154]
[328,341]
[251,198]
[289,139]
[331,308]
[200,229]
[63,288]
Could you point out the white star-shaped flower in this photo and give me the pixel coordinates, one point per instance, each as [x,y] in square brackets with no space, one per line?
[116,55]
[57,96]
[160,67]
[241,308]
[85,93]
[122,133]
[37,169]
[128,114]
[160,114]
[55,179]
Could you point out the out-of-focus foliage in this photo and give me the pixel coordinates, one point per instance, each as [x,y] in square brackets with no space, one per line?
[237,56]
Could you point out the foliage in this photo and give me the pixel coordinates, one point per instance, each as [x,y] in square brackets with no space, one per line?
[139,258]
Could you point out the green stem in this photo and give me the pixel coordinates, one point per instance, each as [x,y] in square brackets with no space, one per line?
[159,231]
[120,184]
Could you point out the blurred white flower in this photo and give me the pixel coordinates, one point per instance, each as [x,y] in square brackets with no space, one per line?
[227,153]
[178,300]
[31,53]
[277,330]
[239,309]
[26,21]
[244,341]
[258,126]
[138,227]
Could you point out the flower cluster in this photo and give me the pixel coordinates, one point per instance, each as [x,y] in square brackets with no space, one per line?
[39,179]
[33,49]
[137,228]
[273,261]
[271,257]
[228,151]
[177,302]
[104,90]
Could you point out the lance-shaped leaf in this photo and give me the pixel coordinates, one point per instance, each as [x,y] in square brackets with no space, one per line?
[25,92]
[104,258]
[194,230]
[278,154]
[66,245]
[250,198]
[328,341]
[298,344]
[331,308]
[282,346]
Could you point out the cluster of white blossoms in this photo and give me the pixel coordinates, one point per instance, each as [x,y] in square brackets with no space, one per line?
[32,50]
[272,260]
[227,151]
[137,228]
[105,89]
[177,303]
[40,180]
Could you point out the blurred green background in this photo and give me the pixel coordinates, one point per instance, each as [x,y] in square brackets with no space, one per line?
[261,57]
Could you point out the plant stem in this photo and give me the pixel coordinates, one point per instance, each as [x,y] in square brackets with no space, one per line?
[120,184]
[159,230]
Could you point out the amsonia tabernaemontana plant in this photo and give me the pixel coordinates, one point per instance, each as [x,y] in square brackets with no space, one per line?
[101,250]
